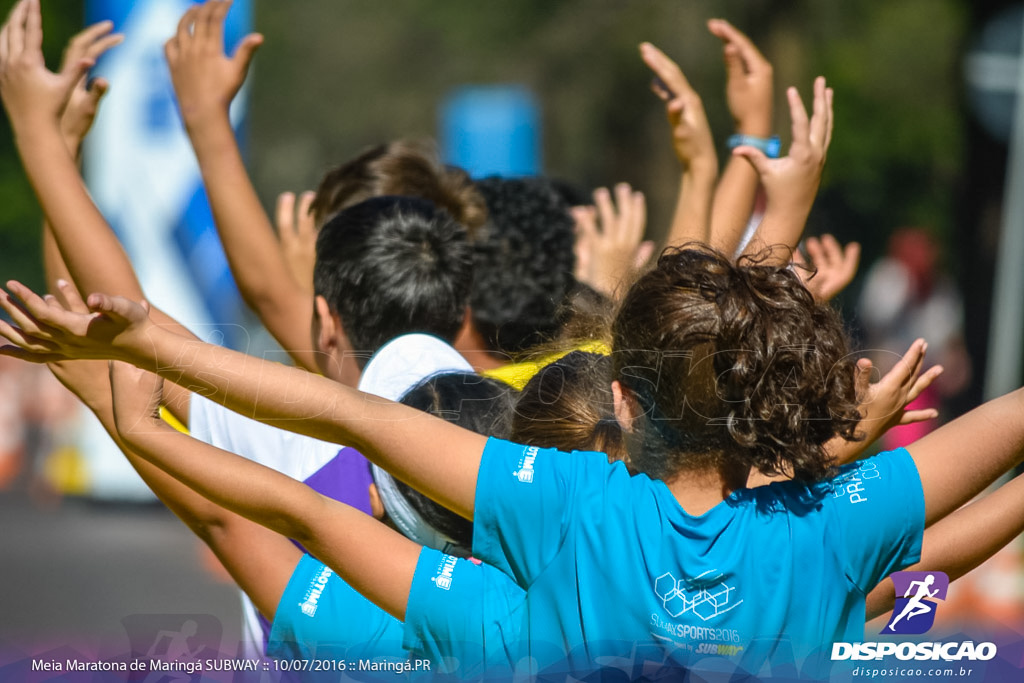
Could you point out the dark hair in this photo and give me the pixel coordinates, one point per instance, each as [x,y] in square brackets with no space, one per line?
[403,167]
[391,266]
[585,316]
[473,402]
[568,405]
[524,263]
[732,365]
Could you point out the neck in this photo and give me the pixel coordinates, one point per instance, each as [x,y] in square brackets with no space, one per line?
[470,343]
[700,490]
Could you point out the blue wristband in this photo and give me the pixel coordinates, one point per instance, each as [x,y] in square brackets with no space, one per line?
[770,146]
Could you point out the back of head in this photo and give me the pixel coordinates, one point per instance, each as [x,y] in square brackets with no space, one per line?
[473,402]
[394,265]
[524,263]
[731,365]
[406,168]
[568,405]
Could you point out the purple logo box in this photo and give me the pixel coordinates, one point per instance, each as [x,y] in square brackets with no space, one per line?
[917,594]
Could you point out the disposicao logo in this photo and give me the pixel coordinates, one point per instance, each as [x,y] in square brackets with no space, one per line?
[916,595]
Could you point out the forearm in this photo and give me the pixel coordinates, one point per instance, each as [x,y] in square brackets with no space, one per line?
[247,488]
[248,237]
[733,205]
[693,207]
[780,231]
[351,542]
[964,539]
[734,197]
[88,380]
[176,399]
[960,459]
[434,456]
[94,257]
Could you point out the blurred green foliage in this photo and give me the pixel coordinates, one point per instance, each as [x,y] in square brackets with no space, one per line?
[335,76]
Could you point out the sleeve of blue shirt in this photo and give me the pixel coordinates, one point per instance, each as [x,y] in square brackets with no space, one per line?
[879,508]
[462,614]
[319,615]
[525,498]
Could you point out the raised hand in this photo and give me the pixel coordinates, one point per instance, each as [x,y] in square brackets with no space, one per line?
[831,266]
[85,97]
[791,182]
[296,230]
[48,329]
[205,79]
[884,404]
[749,85]
[609,244]
[691,134]
[32,94]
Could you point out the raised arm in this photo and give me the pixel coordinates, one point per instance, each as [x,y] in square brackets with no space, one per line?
[693,145]
[259,560]
[51,113]
[748,91]
[205,82]
[435,457]
[376,560]
[791,182]
[35,100]
[963,540]
[959,459]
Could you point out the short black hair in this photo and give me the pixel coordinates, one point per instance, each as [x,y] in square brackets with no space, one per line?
[477,403]
[524,262]
[391,266]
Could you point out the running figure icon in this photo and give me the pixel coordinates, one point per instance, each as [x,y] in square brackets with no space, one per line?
[919,592]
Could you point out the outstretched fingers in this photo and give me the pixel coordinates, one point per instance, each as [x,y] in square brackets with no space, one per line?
[285,212]
[33,26]
[820,120]
[924,381]
[907,367]
[665,69]
[18,313]
[183,35]
[215,23]
[68,294]
[831,117]
[16,30]
[740,50]
[798,116]
[605,208]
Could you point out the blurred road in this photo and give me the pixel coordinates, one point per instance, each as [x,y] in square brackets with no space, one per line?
[70,574]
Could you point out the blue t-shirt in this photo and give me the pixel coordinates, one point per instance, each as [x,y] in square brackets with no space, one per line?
[618,574]
[464,616]
[321,617]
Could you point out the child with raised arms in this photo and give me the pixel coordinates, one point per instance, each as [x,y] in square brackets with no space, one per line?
[536,515]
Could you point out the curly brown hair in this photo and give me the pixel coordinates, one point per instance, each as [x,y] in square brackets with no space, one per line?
[732,365]
[405,168]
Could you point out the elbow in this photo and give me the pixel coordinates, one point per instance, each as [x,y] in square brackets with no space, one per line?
[307,524]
